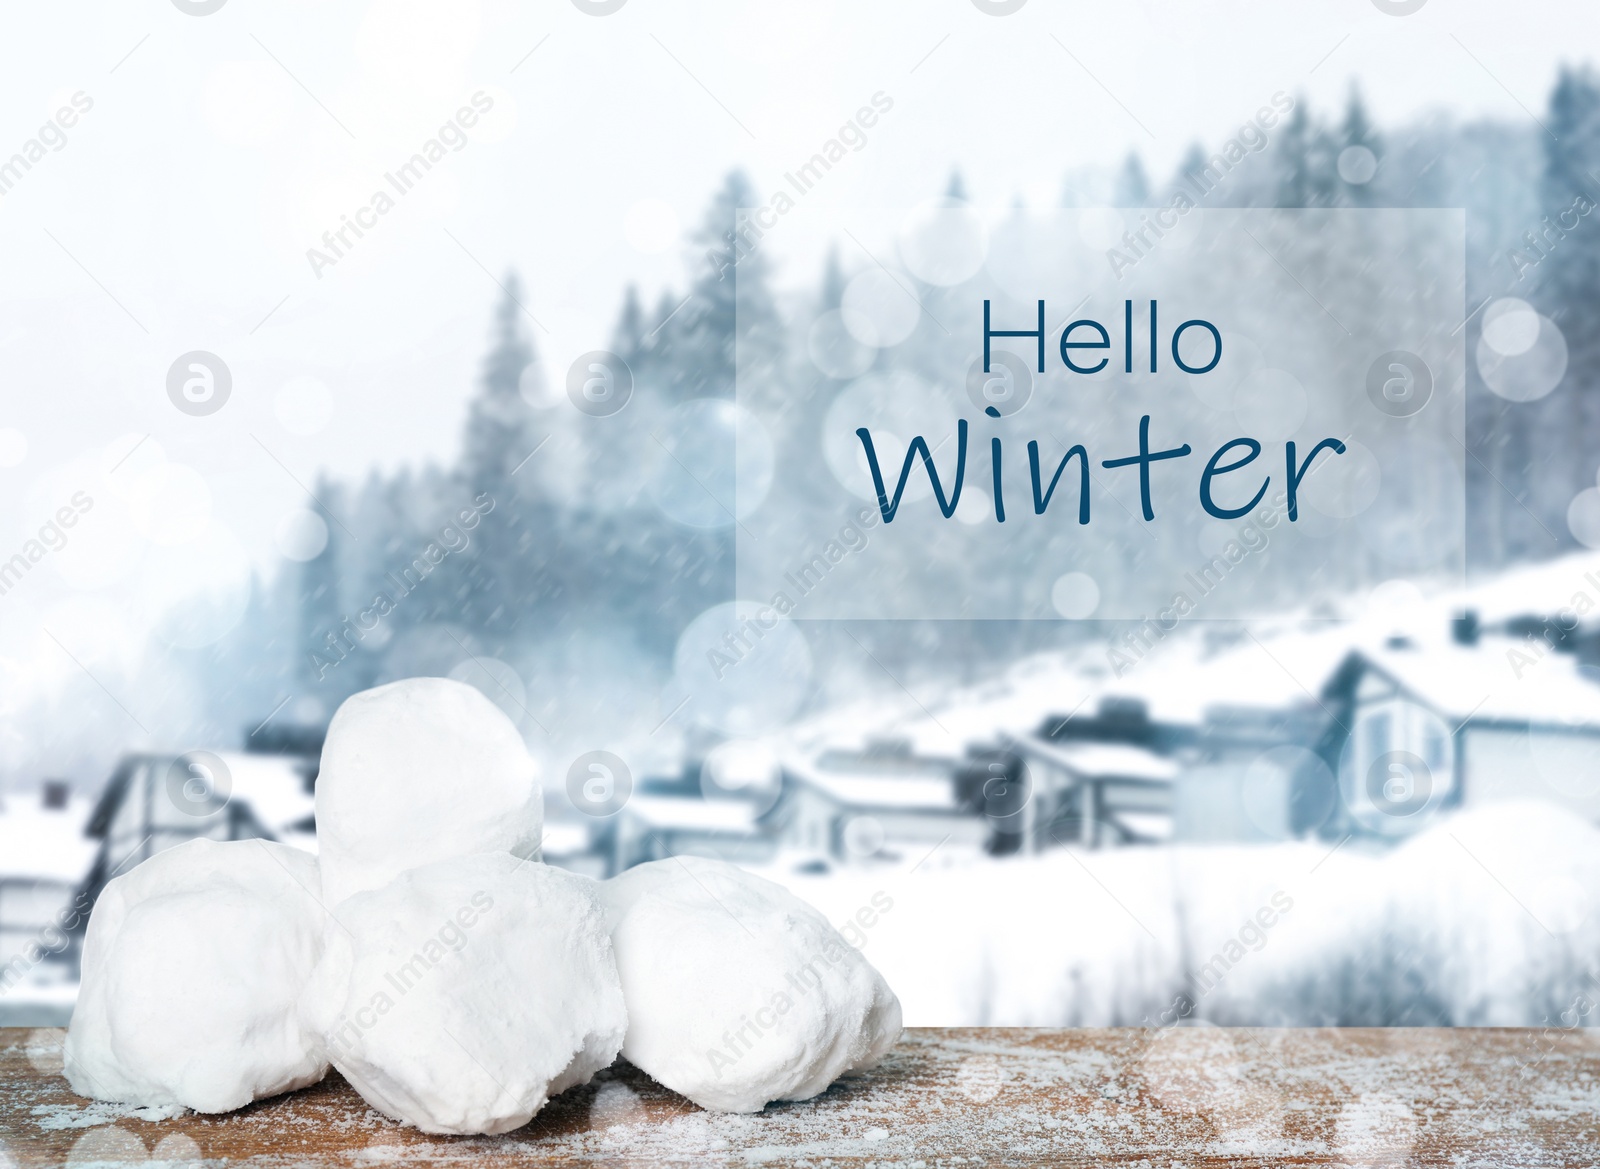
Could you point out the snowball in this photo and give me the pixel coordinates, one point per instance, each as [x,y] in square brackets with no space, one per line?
[191,970]
[738,992]
[464,994]
[418,771]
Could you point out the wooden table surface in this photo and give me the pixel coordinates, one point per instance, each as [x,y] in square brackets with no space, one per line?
[980,1096]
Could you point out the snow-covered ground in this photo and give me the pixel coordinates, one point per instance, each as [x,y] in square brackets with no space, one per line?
[1490,918]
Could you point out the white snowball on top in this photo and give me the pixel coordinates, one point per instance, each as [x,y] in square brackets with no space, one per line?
[465,993]
[738,992]
[417,771]
[192,966]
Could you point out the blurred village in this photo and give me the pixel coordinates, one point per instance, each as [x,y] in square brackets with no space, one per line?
[1352,735]
[1010,759]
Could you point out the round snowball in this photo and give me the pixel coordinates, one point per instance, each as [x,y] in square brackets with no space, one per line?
[465,993]
[192,967]
[738,992]
[418,771]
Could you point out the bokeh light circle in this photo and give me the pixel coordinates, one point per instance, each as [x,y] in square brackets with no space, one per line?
[1075,595]
[1530,374]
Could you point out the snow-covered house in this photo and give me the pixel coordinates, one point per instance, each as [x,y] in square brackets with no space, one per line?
[1251,774]
[892,804]
[155,801]
[1242,723]
[44,857]
[1232,733]
[1094,794]
[1415,729]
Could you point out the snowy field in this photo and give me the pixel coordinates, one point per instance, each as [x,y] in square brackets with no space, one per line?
[1488,919]
[1491,918]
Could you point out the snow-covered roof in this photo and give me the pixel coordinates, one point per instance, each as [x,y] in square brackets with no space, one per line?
[694,813]
[1012,706]
[304,841]
[1106,760]
[1481,682]
[273,786]
[1542,589]
[896,793]
[44,843]
[934,726]
[1145,825]
[1272,669]
[564,838]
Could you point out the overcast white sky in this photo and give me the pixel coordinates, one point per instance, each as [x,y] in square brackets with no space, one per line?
[219,148]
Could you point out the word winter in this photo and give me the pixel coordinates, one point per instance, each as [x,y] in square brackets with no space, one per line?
[1295,469]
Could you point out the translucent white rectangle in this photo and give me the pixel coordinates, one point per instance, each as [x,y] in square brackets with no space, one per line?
[1340,325]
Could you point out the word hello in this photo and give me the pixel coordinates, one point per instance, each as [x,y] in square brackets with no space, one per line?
[736,1044]
[450,938]
[1068,345]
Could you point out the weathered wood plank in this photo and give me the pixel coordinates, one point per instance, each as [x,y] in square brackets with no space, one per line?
[1012,1096]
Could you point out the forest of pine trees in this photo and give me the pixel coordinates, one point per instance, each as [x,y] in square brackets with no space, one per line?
[573,560]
